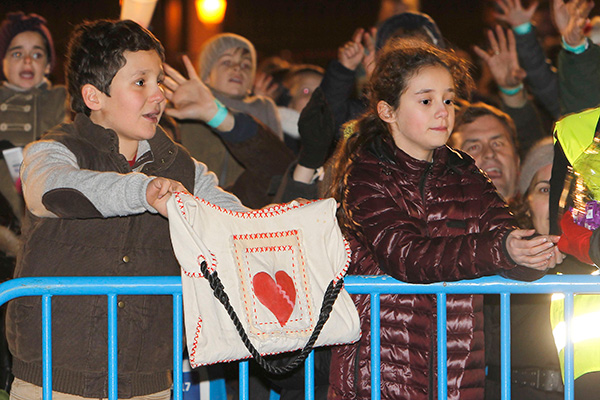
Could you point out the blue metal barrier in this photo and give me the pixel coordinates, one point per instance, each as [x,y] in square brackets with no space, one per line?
[375,286]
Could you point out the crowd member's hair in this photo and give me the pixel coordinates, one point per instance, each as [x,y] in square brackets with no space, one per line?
[469,112]
[95,55]
[18,22]
[397,63]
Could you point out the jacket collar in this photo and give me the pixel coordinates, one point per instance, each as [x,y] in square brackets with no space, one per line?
[444,157]
[160,151]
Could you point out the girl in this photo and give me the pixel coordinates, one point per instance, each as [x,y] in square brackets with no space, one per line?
[417,210]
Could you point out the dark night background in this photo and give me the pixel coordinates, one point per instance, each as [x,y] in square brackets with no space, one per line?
[310,29]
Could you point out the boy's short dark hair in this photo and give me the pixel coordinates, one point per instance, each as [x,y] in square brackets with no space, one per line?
[95,55]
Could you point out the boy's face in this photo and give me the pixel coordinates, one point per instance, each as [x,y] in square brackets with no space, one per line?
[232,72]
[26,61]
[136,100]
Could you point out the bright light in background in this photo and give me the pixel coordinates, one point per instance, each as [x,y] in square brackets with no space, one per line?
[211,11]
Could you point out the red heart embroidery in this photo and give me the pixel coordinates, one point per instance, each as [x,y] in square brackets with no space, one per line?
[279,297]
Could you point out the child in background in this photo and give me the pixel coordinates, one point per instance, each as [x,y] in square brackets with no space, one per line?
[417,210]
[227,65]
[93,190]
[29,104]
[300,82]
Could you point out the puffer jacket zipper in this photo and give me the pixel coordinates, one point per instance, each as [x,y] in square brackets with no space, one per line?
[423,179]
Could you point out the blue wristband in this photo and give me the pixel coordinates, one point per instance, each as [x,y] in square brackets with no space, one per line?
[511,91]
[577,49]
[219,116]
[523,28]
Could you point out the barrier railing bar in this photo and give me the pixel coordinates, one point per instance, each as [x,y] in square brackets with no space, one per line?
[309,376]
[442,348]
[375,348]
[505,346]
[486,285]
[113,379]
[47,346]
[177,347]
[569,351]
[49,286]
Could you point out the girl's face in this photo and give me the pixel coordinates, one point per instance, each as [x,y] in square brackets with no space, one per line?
[232,73]
[26,61]
[424,118]
[538,199]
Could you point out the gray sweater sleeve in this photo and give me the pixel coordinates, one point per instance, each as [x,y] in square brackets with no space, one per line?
[206,187]
[49,166]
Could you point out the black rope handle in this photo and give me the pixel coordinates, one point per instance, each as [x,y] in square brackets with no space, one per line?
[329,298]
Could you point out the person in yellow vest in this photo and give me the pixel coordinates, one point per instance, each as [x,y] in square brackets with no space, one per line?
[573,135]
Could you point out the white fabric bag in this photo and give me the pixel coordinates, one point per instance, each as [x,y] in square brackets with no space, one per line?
[275,266]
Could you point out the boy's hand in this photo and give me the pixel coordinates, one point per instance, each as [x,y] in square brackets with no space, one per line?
[351,53]
[538,253]
[191,98]
[158,192]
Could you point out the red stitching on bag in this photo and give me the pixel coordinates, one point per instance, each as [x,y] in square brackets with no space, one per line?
[277,209]
[192,355]
[195,274]
[343,271]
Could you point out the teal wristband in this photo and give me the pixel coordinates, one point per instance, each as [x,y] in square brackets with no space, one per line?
[511,91]
[219,116]
[577,49]
[523,28]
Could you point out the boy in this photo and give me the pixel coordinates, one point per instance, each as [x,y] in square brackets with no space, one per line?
[29,104]
[92,190]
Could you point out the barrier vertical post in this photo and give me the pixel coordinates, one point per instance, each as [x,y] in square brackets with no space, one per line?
[113,380]
[47,346]
[505,346]
[569,348]
[244,381]
[375,348]
[309,377]
[442,347]
[177,347]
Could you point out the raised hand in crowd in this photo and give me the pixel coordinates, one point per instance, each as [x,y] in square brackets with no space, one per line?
[538,253]
[504,66]
[191,98]
[570,19]
[264,85]
[368,60]
[513,12]
[351,53]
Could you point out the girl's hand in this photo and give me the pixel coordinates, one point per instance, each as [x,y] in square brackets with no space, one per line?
[538,253]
